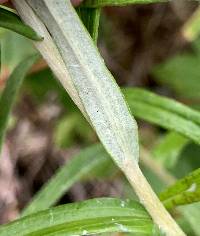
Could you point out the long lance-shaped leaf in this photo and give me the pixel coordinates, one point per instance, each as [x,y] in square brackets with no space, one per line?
[84,218]
[9,93]
[11,21]
[164,112]
[165,103]
[73,171]
[96,87]
[184,191]
[104,3]
[102,100]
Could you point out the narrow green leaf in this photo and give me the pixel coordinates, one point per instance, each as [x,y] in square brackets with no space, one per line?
[184,191]
[90,18]
[168,104]
[77,168]
[11,21]
[175,116]
[9,93]
[84,218]
[104,3]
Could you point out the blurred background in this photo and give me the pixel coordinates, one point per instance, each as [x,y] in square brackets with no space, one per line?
[143,46]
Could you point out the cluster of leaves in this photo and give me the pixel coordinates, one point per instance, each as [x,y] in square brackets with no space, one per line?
[106,215]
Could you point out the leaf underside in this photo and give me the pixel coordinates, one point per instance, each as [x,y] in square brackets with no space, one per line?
[98,91]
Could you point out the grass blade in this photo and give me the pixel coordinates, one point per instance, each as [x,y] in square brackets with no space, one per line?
[165,103]
[66,176]
[9,93]
[164,112]
[184,191]
[11,21]
[84,218]
[104,3]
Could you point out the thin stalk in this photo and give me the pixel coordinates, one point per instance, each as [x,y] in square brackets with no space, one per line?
[150,201]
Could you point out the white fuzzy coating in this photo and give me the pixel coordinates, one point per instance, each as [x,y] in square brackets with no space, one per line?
[98,91]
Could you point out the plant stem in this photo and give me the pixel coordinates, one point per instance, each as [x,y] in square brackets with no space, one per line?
[150,201]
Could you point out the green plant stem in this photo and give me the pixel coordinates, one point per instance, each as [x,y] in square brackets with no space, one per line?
[150,201]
